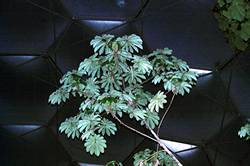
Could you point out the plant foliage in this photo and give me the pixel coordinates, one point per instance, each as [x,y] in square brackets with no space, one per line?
[233,17]
[148,157]
[110,85]
[245,131]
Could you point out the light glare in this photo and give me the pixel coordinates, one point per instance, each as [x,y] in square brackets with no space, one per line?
[177,146]
[200,71]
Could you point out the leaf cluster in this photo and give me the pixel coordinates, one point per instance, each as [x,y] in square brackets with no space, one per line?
[233,17]
[111,84]
[149,157]
[244,131]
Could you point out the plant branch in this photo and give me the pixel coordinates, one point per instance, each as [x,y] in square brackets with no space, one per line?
[145,81]
[164,146]
[165,113]
[131,128]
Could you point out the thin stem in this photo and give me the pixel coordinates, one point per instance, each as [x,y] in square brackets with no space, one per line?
[130,128]
[145,81]
[161,143]
[165,113]
[163,117]
[153,155]
[165,147]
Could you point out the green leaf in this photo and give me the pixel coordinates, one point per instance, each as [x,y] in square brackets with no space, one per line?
[236,10]
[244,131]
[148,157]
[157,102]
[157,79]
[165,159]
[138,114]
[92,88]
[95,144]
[101,44]
[69,127]
[233,18]
[151,119]
[141,156]
[142,64]
[132,76]
[114,163]
[245,31]
[107,127]
[221,3]
[60,95]
[87,134]
[89,121]
[91,66]
[111,81]
[130,43]
[86,104]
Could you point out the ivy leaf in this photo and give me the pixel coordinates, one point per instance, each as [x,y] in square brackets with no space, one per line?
[157,102]
[95,144]
[69,127]
[107,127]
[130,43]
[60,95]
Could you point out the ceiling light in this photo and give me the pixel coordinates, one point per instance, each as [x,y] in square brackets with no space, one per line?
[20,129]
[102,25]
[177,146]
[112,22]
[201,72]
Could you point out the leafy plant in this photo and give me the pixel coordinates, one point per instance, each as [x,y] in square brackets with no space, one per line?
[111,85]
[148,157]
[245,131]
[233,17]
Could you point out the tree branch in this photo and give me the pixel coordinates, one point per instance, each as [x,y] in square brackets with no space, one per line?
[131,128]
[164,146]
[165,113]
[145,81]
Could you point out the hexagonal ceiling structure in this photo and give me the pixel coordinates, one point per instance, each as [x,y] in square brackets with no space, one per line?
[42,39]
